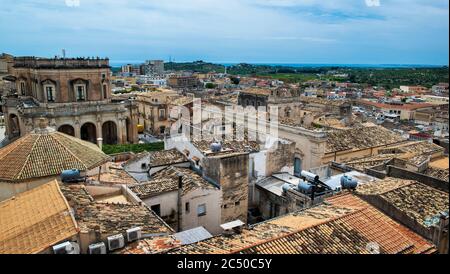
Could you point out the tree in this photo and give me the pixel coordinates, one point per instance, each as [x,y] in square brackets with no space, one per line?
[210,85]
[235,80]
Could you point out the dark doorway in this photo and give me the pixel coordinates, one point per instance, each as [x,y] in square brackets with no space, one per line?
[67,129]
[88,133]
[156,209]
[14,126]
[109,132]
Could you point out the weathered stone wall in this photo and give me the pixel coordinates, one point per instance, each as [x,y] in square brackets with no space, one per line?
[231,173]
[280,158]
[63,78]
[401,173]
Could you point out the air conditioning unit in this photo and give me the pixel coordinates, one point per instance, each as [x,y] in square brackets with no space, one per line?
[133,234]
[98,248]
[66,248]
[116,242]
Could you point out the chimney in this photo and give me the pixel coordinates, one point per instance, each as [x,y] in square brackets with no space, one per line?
[43,123]
[43,127]
[180,206]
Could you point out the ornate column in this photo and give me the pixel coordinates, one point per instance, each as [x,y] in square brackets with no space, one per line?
[120,128]
[77,128]
[99,127]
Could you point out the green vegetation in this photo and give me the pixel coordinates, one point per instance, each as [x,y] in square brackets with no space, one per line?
[210,85]
[136,148]
[291,77]
[393,78]
[383,77]
[197,66]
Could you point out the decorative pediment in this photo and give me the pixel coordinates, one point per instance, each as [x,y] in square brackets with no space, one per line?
[48,82]
[79,81]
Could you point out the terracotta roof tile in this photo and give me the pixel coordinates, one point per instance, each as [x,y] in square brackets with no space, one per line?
[110,218]
[360,138]
[47,154]
[420,202]
[167,180]
[344,224]
[35,220]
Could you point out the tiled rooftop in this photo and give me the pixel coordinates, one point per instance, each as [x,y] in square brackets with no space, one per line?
[110,218]
[47,153]
[414,153]
[371,161]
[114,174]
[360,138]
[322,101]
[228,146]
[344,224]
[418,201]
[167,180]
[159,158]
[151,246]
[35,220]
[258,91]
[441,174]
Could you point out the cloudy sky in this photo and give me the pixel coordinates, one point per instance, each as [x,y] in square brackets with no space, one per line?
[266,31]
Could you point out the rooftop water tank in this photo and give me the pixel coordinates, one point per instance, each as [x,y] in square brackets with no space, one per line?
[216,147]
[310,176]
[71,175]
[348,182]
[305,187]
[285,187]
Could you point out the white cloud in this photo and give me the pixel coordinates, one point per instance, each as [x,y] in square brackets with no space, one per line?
[373,3]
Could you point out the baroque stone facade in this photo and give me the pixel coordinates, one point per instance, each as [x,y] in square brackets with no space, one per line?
[74,94]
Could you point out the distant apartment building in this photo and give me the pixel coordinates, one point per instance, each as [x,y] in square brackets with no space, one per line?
[153,110]
[154,67]
[6,62]
[127,68]
[413,89]
[183,81]
[154,80]
[406,111]
[132,70]
[74,94]
[441,88]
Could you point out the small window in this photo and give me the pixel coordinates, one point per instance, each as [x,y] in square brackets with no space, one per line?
[187,207]
[22,88]
[201,210]
[105,92]
[80,92]
[50,93]
[156,209]
[162,113]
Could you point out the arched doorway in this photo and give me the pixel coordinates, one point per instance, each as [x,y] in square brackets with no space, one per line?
[67,129]
[88,133]
[109,132]
[14,126]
